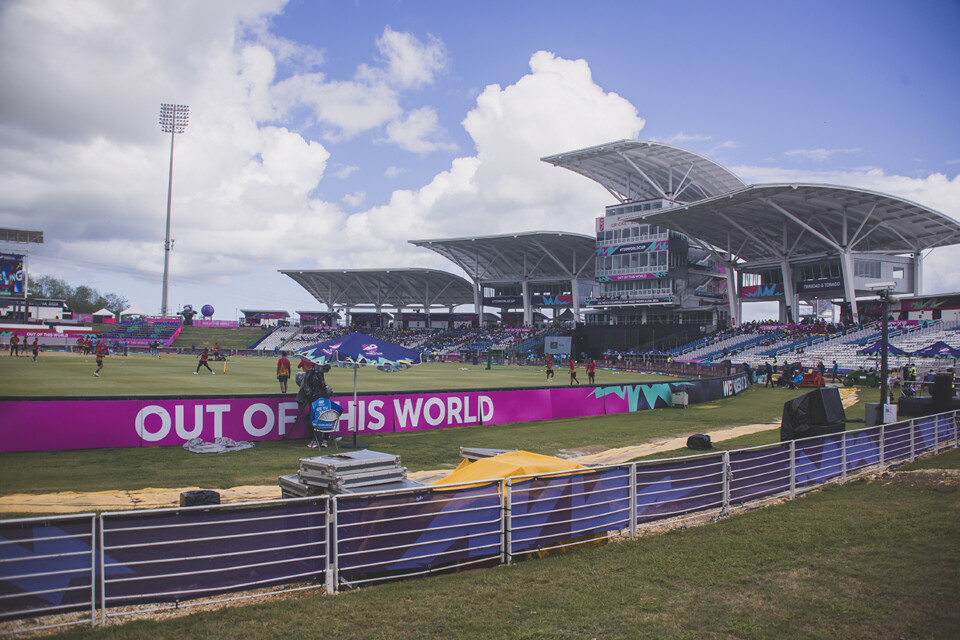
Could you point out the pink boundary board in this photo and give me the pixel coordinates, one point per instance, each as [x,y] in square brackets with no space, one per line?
[40,424]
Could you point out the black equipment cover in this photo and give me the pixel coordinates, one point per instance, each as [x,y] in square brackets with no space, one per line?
[814,414]
[699,441]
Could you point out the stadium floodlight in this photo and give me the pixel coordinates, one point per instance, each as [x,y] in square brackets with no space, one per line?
[173,120]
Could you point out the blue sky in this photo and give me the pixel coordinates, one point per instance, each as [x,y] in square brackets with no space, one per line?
[326,134]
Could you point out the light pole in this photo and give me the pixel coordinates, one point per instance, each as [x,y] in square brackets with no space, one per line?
[883,290]
[173,120]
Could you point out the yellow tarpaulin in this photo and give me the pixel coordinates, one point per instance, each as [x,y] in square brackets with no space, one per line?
[505,465]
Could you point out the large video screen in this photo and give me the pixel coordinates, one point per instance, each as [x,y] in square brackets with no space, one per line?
[11,275]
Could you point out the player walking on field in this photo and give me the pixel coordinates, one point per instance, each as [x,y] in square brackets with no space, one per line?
[101,352]
[283,373]
[204,356]
[573,372]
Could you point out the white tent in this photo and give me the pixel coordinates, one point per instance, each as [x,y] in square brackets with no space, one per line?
[103,313]
[133,310]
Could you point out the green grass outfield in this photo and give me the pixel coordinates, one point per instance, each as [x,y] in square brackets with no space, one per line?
[68,374]
[869,559]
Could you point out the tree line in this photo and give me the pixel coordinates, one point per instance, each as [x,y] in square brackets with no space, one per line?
[80,299]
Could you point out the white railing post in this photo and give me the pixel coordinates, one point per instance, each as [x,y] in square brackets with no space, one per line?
[103,578]
[793,469]
[883,439]
[913,445]
[507,520]
[93,570]
[633,501]
[843,458]
[503,521]
[727,479]
[936,435]
[332,572]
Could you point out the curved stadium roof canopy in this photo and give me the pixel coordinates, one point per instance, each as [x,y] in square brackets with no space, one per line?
[770,222]
[761,225]
[379,288]
[520,258]
[536,256]
[635,170]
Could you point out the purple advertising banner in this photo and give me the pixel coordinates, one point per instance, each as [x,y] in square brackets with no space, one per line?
[429,528]
[169,554]
[44,423]
[564,508]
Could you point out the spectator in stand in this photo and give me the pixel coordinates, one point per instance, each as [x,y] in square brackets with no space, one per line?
[283,373]
[573,372]
[591,371]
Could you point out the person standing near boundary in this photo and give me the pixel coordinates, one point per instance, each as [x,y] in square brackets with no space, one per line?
[14,345]
[204,355]
[36,349]
[591,371]
[549,368]
[836,370]
[768,370]
[100,354]
[573,372]
[283,373]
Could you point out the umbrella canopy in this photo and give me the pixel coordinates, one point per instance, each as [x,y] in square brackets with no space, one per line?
[360,350]
[875,348]
[939,349]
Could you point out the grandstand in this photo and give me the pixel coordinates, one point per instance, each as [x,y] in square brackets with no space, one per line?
[812,345]
[229,339]
[144,331]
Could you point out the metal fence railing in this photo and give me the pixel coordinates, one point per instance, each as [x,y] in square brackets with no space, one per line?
[128,562]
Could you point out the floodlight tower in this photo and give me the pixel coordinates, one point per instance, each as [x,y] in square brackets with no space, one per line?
[883,290]
[173,120]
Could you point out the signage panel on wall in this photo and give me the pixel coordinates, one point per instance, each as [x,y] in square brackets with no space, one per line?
[762,290]
[824,284]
